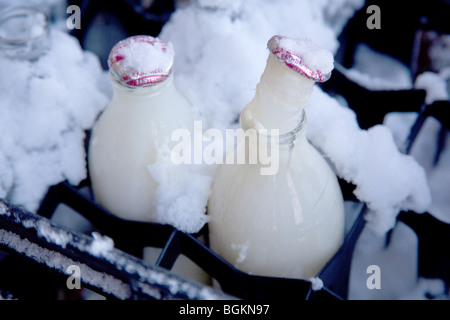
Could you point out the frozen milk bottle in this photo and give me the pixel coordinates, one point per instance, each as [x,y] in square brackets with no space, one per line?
[145,109]
[283,217]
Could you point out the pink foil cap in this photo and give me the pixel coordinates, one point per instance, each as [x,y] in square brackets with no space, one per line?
[141,61]
[294,59]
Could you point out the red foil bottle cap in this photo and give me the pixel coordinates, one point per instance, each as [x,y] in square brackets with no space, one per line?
[141,61]
[303,56]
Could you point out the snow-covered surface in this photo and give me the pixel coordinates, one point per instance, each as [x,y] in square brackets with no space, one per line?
[398,265]
[398,261]
[220,79]
[57,261]
[376,71]
[139,59]
[316,283]
[101,244]
[143,54]
[386,179]
[221,47]
[45,107]
[434,85]
[182,193]
[374,65]
[151,280]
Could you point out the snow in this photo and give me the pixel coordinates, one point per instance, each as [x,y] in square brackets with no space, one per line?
[377,71]
[219,64]
[151,280]
[386,179]
[426,289]
[219,80]
[51,234]
[387,73]
[398,261]
[101,245]
[375,76]
[140,56]
[424,150]
[398,268]
[46,107]
[438,50]
[232,5]
[59,262]
[182,193]
[217,68]
[6,296]
[316,283]
[6,176]
[434,85]
[3,208]
[242,251]
[34,3]
[220,54]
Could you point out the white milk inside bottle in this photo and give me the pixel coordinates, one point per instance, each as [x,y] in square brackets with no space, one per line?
[145,109]
[287,221]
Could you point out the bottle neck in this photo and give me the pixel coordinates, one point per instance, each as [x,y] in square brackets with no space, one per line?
[270,150]
[280,98]
[123,91]
[284,140]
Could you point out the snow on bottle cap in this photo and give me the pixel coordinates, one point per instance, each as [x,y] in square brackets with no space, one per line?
[303,56]
[140,61]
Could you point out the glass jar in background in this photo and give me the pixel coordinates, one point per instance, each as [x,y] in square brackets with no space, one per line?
[24,32]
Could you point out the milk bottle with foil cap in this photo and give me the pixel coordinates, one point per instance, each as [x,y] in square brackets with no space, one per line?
[287,221]
[137,124]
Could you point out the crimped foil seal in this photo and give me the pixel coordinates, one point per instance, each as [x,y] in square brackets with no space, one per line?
[294,60]
[141,61]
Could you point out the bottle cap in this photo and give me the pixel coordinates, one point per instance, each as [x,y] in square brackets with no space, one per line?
[303,56]
[141,61]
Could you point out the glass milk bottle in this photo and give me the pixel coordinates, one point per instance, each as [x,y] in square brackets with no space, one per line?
[146,107]
[284,217]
